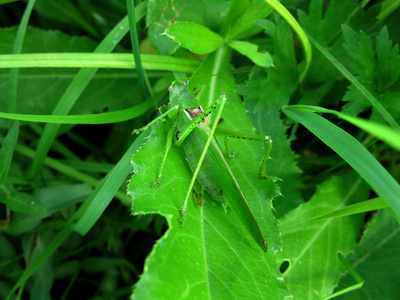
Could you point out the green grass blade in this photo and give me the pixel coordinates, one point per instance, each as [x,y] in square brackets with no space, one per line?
[101,118]
[381,131]
[7,148]
[7,151]
[130,5]
[365,206]
[75,89]
[109,186]
[97,60]
[388,8]
[353,153]
[19,39]
[374,102]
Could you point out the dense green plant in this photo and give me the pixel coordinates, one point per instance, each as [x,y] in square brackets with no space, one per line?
[82,76]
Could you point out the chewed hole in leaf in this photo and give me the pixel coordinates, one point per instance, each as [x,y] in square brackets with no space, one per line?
[284,266]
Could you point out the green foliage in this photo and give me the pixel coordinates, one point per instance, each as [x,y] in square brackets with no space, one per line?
[325,235]
[378,70]
[375,260]
[63,236]
[196,38]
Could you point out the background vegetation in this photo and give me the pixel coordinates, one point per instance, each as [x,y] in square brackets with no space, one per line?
[74,87]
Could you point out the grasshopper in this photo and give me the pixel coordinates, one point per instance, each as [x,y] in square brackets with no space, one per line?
[205,158]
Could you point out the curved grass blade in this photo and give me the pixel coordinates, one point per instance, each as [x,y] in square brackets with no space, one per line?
[101,118]
[381,131]
[142,77]
[297,28]
[353,153]
[365,206]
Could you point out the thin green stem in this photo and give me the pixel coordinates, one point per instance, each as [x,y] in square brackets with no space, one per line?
[142,78]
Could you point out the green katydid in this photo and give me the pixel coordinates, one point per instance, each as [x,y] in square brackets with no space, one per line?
[204,156]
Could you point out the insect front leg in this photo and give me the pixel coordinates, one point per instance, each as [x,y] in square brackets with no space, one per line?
[171,112]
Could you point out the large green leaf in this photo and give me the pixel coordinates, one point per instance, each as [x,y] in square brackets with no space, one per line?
[311,248]
[213,255]
[376,260]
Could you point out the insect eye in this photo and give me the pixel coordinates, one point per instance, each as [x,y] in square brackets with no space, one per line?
[169,88]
